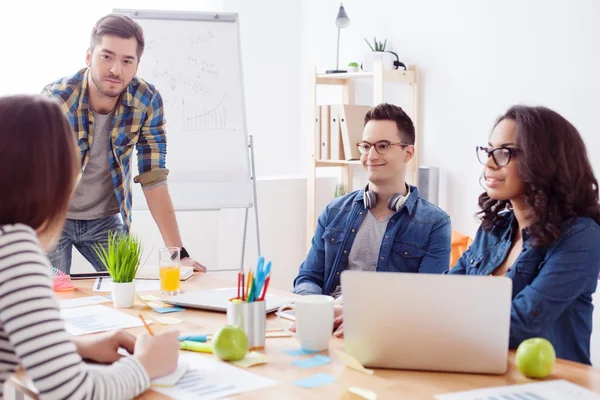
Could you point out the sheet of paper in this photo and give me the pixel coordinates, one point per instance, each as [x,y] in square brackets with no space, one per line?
[83,301]
[92,319]
[311,362]
[150,297]
[362,393]
[549,390]
[314,381]
[207,379]
[171,379]
[253,358]
[105,285]
[352,362]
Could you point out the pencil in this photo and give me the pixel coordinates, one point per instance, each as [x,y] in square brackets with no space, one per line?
[147,326]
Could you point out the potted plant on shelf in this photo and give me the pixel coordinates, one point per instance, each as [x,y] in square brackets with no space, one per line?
[340,190]
[378,52]
[121,258]
[353,67]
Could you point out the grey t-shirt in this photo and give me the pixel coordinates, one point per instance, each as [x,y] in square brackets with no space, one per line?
[94,195]
[365,248]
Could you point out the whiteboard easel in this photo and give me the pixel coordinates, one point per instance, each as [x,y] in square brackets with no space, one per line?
[194,60]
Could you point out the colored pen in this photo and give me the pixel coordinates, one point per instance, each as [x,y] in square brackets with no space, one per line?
[195,346]
[262,298]
[193,338]
[248,285]
[146,325]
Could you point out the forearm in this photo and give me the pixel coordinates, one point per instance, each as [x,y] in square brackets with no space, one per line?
[161,208]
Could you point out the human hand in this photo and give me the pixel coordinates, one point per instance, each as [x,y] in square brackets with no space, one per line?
[158,354]
[104,347]
[338,322]
[189,262]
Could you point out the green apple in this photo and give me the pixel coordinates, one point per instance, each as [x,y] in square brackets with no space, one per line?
[535,357]
[230,343]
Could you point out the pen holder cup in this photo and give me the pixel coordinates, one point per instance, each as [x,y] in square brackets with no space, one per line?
[252,318]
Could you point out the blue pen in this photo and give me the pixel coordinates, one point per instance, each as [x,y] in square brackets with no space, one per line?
[193,338]
[259,276]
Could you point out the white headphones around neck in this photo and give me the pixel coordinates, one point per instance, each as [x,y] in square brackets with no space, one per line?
[394,203]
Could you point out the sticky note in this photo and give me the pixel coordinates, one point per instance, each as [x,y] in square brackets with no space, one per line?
[314,381]
[166,310]
[362,393]
[298,352]
[315,361]
[153,305]
[352,362]
[149,297]
[167,320]
[253,358]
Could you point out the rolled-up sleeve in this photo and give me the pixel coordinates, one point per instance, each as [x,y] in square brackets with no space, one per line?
[152,146]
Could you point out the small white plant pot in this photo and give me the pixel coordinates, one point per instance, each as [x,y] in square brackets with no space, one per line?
[123,294]
[352,69]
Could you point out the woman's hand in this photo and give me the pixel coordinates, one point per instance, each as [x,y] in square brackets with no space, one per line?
[103,347]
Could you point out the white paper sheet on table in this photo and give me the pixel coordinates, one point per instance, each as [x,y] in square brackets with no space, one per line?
[92,319]
[105,285]
[83,301]
[550,390]
[208,379]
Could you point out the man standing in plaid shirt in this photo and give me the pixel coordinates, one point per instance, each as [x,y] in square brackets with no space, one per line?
[112,113]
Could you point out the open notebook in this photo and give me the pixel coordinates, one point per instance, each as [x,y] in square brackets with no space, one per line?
[146,272]
[152,272]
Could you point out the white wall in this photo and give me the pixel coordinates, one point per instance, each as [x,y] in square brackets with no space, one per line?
[51,43]
[476,58]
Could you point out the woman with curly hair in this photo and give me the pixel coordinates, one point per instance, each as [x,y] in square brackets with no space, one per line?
[540,227]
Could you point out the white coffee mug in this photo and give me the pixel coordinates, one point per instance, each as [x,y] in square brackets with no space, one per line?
[314,321]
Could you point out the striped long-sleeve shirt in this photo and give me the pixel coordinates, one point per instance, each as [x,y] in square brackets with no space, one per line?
[32,333]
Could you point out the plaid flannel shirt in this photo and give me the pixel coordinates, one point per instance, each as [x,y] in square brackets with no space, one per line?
[138,122]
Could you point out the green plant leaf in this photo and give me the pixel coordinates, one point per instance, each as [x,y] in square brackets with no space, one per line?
[384,44]
[121,257]
[369,44]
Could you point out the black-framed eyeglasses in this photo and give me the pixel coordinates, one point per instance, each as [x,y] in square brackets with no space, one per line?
[381,146]
[500,155]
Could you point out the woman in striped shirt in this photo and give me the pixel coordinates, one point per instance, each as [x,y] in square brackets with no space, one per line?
[39,164]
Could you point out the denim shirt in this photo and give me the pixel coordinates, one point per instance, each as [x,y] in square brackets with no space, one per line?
[552,286]
[417,239]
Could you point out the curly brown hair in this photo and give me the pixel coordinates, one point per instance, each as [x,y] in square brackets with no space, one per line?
[554,164]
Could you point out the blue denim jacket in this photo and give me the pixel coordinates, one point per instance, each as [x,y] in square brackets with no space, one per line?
[552,287]
[417,239]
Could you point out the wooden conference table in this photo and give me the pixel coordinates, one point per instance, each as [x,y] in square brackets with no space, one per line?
[387,384]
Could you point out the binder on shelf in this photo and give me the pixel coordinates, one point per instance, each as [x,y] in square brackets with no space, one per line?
[351,127]
[335,137]
[324,127]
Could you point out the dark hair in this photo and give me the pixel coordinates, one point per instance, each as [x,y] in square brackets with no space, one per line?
[390,112]
[554,165]
[38,159]
[121,26]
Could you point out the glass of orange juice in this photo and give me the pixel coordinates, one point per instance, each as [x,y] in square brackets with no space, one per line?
[168,262]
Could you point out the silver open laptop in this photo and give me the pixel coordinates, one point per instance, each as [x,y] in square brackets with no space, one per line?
[427,322]
[217,300]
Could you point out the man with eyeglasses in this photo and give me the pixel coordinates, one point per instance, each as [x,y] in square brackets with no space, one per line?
[384,227]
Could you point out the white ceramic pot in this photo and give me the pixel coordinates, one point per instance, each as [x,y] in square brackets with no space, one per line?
[386,57]
[123,294]
[352,69]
